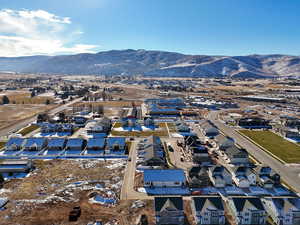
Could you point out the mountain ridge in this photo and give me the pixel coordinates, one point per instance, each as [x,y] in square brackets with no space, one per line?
[156,63]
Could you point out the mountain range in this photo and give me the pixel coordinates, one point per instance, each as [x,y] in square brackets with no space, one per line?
[156,63]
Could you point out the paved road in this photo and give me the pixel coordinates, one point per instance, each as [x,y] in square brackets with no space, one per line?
[290,174]
[127,191]
[23,123]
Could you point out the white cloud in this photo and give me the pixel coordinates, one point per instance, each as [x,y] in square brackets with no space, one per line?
[27,32]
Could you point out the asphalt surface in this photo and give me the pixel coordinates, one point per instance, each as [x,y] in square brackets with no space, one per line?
[288,173]
[18,126]
[127,191]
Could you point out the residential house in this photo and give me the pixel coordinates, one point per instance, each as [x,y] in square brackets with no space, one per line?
[283,211]
[151,152]
[35,144]
[254,123]
[208,210]
[198,177]
[116,144]
[181,127]
[149,122]
[95,144]
[15,166]
[164,178]
[219,176]
[75,144]
[243,176]
[237,156]
[14,144]
[80,120]
[209,129]
[169,210]
[247,211]
[267,177]
[224,142]
[103,126]
[200,155]
[66,128]
[56,144]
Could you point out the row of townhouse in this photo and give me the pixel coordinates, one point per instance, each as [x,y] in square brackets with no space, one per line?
[151,154]
[243,177]
[58,144]
[212,210]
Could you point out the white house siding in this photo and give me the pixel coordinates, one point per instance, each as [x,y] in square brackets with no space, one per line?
[165,183]
[242,183]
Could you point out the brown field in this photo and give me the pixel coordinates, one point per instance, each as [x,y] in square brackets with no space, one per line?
[52,178]
[25,98]
[10,114]
[28,129]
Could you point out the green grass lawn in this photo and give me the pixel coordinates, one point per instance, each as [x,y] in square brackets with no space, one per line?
[283,149]
[28,129]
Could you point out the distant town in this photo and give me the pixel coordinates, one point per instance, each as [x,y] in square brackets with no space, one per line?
[138,150]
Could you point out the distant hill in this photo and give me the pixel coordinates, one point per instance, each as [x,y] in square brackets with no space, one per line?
[156,63]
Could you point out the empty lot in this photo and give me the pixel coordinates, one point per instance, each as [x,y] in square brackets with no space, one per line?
[283,149]
[10,114]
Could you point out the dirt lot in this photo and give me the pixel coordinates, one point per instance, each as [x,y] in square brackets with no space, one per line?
[10,114]
[23,97]
[50,192]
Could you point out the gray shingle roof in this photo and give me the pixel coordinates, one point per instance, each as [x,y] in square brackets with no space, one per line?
[172,203]
[202,203]
[242,204]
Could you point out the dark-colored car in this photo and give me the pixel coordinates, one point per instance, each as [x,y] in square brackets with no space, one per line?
[170,148]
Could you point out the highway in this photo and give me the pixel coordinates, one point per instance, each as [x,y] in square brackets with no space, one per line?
[288,173]
[15,127]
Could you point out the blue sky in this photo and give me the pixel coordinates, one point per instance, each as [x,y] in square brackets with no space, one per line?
[215,27]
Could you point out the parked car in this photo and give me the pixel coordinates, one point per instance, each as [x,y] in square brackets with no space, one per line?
[170,148]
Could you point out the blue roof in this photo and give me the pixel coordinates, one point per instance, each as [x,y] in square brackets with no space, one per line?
[74,142]
[99,135]
[39,142]
[56,142]
[13,166]
[96,142]
[14,141]
[116,140]
[103,200]
[164,175]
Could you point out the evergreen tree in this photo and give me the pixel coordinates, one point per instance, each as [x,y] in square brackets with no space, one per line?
[5,100]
